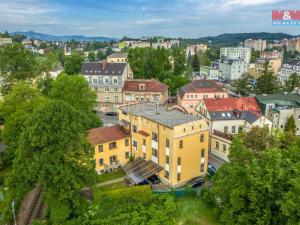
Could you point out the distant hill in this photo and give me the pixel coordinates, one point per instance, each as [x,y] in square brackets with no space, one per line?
[236,38]
[48,37]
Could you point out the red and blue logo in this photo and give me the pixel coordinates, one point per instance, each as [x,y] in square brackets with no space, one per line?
[286,17]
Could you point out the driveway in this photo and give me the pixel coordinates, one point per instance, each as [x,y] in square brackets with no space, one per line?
[107,120]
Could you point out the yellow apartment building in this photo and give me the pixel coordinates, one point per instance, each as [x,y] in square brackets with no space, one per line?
[175,141]
[112,147]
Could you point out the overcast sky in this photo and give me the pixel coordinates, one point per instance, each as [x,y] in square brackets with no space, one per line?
[136,18]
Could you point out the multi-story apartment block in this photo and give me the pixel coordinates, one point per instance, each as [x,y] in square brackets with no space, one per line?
[5,41]
[112,147]
[238,53]
[175,141]
[117,58]
[257,45]
[107,79]
[209,73]
[193,49]
[190,95]
[166,44]
[140,44]
[229,116]
[288,68]
[279,107]
[270,55]
[273,65]
[232,69]
[141,90]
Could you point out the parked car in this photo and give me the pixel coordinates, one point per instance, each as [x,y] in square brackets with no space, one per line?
[111,114]
[154,179]
[144,182]
[211,170]
[196,182]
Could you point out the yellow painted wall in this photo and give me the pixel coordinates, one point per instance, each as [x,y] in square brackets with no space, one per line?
[119,151]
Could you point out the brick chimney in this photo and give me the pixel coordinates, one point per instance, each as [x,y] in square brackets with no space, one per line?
[104,64]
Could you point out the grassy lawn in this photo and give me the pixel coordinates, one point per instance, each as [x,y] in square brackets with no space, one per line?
[192,211]
[110,176]
[99,190]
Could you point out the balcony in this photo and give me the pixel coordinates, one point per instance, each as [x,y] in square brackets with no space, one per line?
[222,135]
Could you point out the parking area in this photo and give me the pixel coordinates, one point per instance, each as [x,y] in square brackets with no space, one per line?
[107,120]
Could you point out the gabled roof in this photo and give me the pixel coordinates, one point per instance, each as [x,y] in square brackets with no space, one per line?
[103,68]
[151,85]
[106,134]
[230,104]
[201,86]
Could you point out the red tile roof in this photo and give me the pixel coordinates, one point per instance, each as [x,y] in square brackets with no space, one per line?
[201,86]
[151,85]
[106,134]
[229,104]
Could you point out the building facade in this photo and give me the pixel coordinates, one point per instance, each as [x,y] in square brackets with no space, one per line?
[5,41]
[117,58]
[107,79]
[279,107]
[237,53]
[141,90]
[193,49]
[166,44]
[227,117]
[288,68]
[232,69]
[189,95]
[112,147]
[257,45]
[176,141]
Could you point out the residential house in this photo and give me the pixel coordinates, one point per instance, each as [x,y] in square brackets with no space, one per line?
[288,68]
[175,141]
[26,42]
[237,53]
[117,58]
[139,90]
[279,107]
[232,69]
[229,116]
[112,147]
[5,41]
[107,79]
[189,95]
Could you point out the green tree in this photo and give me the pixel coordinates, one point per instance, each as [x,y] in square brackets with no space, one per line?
[54,152]
[290,125]
[73,64]
[267,83]
[179,61]
[16,64]
[242,85]
[292,82]
[75,90]
[91,57]
[196,62]
[258,139]
[16,108]
[101,55]
[109,51]
[258,189]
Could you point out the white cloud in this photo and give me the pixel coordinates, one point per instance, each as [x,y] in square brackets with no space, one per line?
[249,2]
[152,21]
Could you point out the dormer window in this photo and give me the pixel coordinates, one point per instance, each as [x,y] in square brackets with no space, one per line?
[142,87]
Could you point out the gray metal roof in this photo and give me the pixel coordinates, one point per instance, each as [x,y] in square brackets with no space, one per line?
[280,99]
[249,116]
[103,68]
[159,114]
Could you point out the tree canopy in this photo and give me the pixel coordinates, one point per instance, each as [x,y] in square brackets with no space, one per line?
[259,188]
[73,64]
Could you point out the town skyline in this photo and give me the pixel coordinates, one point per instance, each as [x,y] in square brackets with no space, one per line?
[135,18]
